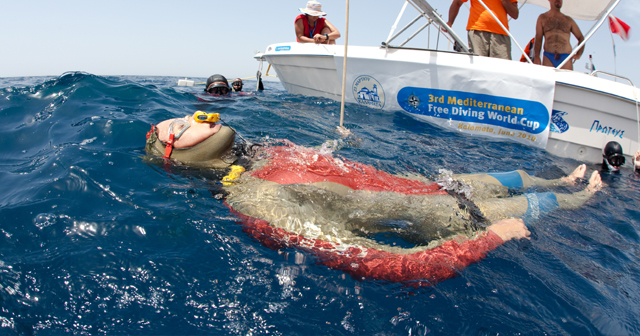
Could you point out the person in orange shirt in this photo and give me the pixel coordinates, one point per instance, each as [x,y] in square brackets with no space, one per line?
[486,37]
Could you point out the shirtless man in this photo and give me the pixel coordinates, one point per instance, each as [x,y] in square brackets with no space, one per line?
[556,29]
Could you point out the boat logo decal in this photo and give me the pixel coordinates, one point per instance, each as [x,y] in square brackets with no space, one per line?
[468,107]
[414,101]
[283,48]
[368,91]
[558,125]
[608,130]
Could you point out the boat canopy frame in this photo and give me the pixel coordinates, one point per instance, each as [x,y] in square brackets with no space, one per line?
[432,17]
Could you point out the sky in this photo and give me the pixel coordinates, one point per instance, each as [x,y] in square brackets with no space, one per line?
[198,38]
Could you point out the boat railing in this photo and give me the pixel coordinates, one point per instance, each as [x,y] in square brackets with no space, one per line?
[596,72]
[635,96]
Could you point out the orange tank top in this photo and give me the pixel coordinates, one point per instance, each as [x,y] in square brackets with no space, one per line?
[481,19]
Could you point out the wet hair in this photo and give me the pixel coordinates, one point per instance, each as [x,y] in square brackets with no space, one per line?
[210,88]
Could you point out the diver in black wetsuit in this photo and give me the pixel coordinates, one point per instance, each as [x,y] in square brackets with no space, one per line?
[612,157]
[217,84]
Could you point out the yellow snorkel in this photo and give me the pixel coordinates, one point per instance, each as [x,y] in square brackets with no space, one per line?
[200,116]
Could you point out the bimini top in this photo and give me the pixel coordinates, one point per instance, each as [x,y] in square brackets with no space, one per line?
[588,10]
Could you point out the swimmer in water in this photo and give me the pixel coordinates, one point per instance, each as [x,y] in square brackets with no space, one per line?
[311,200]
[237,85]
[333,208]
[430,218]
[612,157]
[217,85]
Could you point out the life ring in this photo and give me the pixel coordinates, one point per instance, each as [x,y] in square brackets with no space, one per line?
[418,266]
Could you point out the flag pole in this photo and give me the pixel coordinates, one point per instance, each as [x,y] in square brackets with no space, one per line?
[615,65]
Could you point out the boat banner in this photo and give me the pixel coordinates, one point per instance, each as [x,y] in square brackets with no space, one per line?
[525,121]
[478,96]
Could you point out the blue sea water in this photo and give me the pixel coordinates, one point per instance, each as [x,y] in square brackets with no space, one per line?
[95,239]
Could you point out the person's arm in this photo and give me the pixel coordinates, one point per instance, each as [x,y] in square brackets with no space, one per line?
[430,266]
[453,11]
[511,8]
[578,34]
[537,44]
[333,35]
[300,33]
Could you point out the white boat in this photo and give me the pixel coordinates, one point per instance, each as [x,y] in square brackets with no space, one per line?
[569,113]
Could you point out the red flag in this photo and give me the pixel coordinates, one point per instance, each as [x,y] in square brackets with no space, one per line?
[619,27]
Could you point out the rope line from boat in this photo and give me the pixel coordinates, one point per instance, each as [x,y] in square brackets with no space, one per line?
[344,67]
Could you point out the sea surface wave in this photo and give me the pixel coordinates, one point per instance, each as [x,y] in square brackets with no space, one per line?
[96,239]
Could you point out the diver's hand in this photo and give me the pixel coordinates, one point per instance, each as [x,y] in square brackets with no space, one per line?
[508,229]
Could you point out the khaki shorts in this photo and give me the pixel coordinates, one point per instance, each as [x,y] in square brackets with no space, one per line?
[489,44]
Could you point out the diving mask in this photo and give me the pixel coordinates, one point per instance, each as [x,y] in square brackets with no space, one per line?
[616,159]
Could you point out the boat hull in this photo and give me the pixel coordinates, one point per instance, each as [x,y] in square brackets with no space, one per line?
[581,112]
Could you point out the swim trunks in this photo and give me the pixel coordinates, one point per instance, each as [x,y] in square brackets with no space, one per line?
[556,59]
[489,44]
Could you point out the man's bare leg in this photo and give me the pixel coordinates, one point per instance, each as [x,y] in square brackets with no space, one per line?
[578,173]
[538,203]
[519,179]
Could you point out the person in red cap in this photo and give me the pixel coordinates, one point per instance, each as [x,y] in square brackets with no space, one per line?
[312,28]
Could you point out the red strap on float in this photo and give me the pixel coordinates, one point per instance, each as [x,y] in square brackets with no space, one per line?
[153,129]
[169,148]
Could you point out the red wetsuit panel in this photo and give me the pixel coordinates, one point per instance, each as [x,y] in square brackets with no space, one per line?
[305,22]
[297,164]
[419,269]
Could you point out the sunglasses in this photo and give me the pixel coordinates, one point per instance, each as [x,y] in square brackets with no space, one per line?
[616,160]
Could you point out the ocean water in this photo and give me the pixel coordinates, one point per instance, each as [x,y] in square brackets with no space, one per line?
[95,239]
